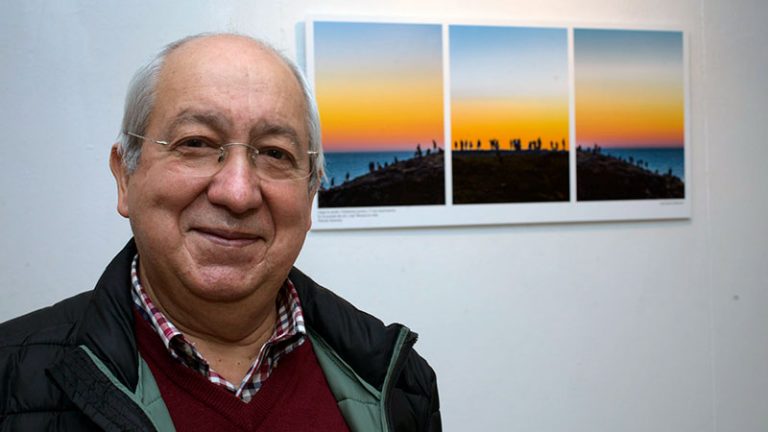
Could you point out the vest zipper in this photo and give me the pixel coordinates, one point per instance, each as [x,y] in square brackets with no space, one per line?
[404,343]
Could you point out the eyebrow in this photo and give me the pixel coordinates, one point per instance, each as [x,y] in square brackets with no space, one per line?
[221,124]
[264,128]
[209,118]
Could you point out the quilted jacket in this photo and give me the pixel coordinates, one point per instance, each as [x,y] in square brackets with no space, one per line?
[75,366]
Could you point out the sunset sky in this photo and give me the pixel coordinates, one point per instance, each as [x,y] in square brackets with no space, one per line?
[629,88]
[378,86]
[509,82]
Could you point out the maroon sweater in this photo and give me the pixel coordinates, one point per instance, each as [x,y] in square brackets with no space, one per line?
[296,396]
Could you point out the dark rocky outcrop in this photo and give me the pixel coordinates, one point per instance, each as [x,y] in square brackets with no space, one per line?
[416,181]
[481,177]
[603,177]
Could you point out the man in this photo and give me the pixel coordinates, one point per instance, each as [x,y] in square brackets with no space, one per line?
[201,323]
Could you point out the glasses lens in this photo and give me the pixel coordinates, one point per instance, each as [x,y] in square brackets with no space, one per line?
[196,157]
[273,164]
[279,164]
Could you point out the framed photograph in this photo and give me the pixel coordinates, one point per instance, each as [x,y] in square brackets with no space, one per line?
[380,87]
[509,119]
[630,122]
[436,123]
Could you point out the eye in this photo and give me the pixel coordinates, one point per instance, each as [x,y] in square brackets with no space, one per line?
[194,147]
[275,153]
[193,142]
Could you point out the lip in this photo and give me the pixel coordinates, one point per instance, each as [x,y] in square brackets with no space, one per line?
[226,237]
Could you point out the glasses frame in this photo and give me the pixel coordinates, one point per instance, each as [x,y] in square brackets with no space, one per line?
[223,153]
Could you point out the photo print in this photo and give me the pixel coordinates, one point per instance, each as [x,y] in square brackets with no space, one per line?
[509,114]
[454,123]
[630,122]
[379,89]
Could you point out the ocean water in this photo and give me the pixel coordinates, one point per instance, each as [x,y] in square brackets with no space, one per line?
[338,164]
[661,159]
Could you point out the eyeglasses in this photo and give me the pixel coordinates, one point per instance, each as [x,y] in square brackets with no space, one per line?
[273,157]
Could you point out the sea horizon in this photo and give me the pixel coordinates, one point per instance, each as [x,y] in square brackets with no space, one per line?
[660,159]
[357,163]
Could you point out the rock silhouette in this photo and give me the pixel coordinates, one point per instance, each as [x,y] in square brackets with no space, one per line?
[603,177]
[415,181]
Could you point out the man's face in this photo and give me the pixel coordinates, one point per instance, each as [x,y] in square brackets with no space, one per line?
[225,236]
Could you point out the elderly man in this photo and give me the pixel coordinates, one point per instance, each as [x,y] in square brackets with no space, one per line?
[200,322]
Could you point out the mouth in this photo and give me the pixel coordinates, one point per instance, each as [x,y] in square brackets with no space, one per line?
[227,237]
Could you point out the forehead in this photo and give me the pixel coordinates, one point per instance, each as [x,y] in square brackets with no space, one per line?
[234,77]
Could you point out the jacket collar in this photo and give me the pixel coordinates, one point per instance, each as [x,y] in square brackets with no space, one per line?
[359,338]
[363,341]
[107,324]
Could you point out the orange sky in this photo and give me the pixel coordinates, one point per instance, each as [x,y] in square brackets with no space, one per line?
[620,114]
[372,113]
[509,83]
[629,88]
[379,86]
[505,119]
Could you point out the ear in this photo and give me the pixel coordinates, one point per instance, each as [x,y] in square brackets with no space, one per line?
[312,193]
[121,177]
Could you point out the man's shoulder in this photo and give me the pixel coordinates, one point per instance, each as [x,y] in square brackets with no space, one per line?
[376,352]
[29,345]
[329,314]
[52,325]
[362,340]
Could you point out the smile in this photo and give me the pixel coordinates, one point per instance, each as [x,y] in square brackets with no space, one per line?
[227,238]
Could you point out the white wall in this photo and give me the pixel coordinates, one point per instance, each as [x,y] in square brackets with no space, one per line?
[647,326]
[735,106]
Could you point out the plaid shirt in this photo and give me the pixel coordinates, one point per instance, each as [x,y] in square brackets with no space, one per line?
[289,334]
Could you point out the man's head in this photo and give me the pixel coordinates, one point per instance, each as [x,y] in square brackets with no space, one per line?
[140,100]
[223,235]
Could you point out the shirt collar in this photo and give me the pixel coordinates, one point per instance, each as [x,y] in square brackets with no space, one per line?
[289,332]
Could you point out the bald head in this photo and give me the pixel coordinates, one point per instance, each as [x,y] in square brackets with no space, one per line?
[226,53]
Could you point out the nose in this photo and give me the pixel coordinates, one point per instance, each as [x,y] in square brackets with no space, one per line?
[235,186]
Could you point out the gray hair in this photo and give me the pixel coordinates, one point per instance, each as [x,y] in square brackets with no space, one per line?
[140,101]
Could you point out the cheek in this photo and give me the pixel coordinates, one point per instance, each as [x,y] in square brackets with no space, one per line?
[160,199]
[291,210]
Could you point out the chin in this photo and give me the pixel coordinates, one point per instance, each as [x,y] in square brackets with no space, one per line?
[226,285]
[222,292]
